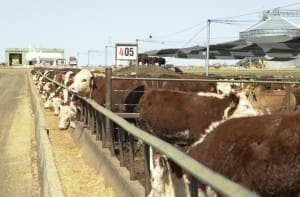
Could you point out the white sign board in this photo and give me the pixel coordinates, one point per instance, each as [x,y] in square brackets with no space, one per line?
[126,51]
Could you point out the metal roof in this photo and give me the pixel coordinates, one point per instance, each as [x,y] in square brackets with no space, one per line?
[271,28]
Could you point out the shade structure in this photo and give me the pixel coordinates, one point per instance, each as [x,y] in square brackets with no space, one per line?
[275,48]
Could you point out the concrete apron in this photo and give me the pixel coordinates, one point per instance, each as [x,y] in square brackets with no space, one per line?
[100,159]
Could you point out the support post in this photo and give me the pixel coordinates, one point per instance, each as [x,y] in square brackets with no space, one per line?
[207,48]
[137,59]
[105,56]
[108,105]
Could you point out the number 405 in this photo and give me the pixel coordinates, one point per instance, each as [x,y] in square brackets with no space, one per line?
[126,51]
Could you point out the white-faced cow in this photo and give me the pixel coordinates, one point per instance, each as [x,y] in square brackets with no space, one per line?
[178,116]
[270,101]
[125,93]
[262,153]
[68,115]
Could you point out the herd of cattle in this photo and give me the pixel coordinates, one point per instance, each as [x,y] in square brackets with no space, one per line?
[145,59]
[240,130]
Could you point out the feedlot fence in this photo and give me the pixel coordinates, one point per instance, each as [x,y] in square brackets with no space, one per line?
[112,129]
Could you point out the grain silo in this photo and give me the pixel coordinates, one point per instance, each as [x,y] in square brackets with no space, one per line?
[273,28]
[270,28]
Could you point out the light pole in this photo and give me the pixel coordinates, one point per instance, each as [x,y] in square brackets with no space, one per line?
[106,47]
[207,47]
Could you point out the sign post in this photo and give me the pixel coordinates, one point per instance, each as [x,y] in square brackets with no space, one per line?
[127,52]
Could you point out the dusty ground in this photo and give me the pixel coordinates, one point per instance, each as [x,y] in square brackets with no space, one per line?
[78,179]
[18,155]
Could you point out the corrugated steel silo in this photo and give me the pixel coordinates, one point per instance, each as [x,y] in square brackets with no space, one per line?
[271,28]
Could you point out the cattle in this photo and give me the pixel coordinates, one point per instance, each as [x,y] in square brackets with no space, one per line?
[227,86]
[127,93]
[296,91]
[68,80]
[56,97]
[152,60]
[92,85]
[54,100]
[164,181]
[142,58]
[68,115]
[262,153]
[82,83]
[161,62]
[145,59]
[181,117]
[270,101]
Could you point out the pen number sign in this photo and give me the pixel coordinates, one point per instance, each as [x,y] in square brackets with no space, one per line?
[126,52]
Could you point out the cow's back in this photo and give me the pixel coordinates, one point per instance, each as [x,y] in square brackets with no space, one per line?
[261,153]
[169,112]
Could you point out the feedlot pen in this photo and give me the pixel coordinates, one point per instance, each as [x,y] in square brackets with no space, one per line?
[93,117]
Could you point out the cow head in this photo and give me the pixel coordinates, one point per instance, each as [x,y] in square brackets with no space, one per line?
[67,117]
[167,179]
[56,103]
[82,83]
[244,108]
[69,78]
[160,177]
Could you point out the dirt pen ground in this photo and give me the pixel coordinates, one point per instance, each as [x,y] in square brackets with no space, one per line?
[269,72]
[77,178]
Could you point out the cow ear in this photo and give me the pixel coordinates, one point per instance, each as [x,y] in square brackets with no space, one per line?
[234,100]
[92,83]
[253,95]
[163,163]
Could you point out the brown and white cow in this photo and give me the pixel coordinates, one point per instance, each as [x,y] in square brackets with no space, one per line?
[270,101]
[56,95]
[125,93]
[183,116]
[68,115]
[262,153]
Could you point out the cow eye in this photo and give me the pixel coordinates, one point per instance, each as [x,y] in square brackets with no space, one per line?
[83,80]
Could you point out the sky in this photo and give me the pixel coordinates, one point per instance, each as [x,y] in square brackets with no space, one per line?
[79,26]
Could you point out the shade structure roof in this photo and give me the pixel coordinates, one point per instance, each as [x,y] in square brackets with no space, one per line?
[275,48]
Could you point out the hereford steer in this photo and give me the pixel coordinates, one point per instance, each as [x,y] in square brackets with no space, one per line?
[270,101]
[82,83]
[182,116]
[125,93]
[68,115]
[262,153]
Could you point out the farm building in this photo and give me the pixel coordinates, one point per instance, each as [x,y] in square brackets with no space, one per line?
[26,56]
